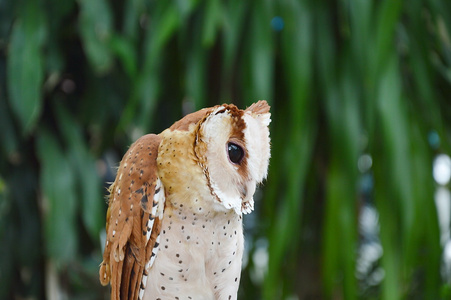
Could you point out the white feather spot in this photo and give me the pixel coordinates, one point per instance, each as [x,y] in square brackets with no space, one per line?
[157,241]
[149,225]
[154,210]
[152,259]
[144,280]
[148,266]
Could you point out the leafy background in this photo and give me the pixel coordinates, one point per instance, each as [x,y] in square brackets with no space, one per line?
[360,101]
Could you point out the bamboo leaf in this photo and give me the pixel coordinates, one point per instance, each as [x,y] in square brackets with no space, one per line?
[295,157]
[87,180]
[165,20]
[397,190]
[134,10]
[125,51]
[6,18]
[425,226]
[195,69]
[60,206]
[233,18]
[7,233]
[25,65]
[387,19]
[260,58]
[95,27]
[167,23]
[212,17]
[8,134]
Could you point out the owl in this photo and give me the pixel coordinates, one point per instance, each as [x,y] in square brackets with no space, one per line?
[174,219]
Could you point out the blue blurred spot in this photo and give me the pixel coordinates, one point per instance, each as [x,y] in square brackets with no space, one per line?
[366,185]
[434,139]
[277,23]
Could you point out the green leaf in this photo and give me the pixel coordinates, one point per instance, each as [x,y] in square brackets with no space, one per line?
[261,61]
[185,7]
[6,18]
[387,18]
[211,19]
[95,27]
[59,199]
[195,70]
[125,51]
[164,21]
[294,126]
[8,134]
[134,9]
[233,18]
[87,180]
[394,191]
[297,45]
[25,65]
[425,234]
[7,233]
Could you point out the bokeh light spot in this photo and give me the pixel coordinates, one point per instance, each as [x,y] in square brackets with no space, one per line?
[442,169]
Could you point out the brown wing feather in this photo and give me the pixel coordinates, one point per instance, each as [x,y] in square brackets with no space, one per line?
[260,107]
[192,118]
[131,236]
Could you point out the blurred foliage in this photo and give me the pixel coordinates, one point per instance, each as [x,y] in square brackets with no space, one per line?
[80,80]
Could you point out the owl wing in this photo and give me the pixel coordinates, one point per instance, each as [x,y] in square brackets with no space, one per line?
[134,217]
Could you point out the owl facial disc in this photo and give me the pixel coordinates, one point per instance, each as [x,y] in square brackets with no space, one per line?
[235,144]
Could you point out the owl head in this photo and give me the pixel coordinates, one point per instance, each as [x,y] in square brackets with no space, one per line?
[233,148]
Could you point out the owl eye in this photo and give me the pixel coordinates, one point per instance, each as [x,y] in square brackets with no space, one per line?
[236,153]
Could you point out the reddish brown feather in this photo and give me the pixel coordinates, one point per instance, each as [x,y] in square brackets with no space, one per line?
[116,279]
[192,118]
[130,277]
[126,248]
[260,107]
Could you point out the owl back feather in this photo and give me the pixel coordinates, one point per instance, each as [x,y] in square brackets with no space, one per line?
[134,217]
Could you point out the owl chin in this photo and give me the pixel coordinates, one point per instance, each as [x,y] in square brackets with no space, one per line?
[239,204]
[224,202]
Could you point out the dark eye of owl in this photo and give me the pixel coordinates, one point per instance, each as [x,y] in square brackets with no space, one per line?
[236,153]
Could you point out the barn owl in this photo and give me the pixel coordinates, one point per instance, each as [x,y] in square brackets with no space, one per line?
[174,220]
